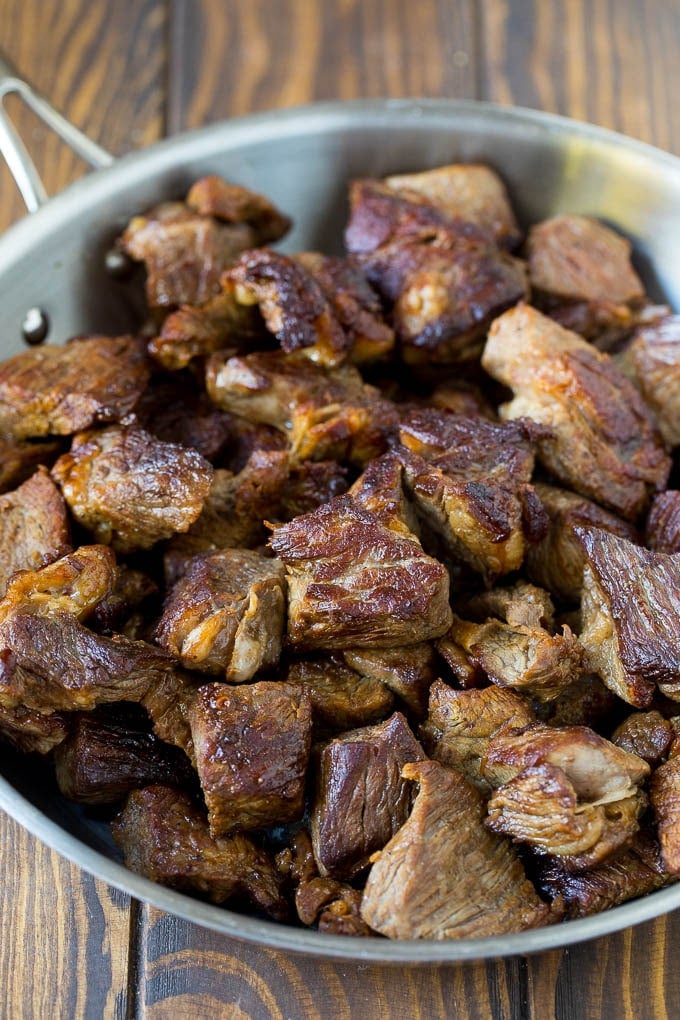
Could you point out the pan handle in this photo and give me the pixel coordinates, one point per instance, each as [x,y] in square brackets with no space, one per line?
[14,151]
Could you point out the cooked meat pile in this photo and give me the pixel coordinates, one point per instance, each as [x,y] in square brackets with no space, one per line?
[350,588]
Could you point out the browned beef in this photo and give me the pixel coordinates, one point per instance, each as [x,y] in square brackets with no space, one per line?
[654,359]
[131,592]
[631,617]
[443,299]
[665,798]
[355,304]
[578,258]
[326,414]
[165,838]
[663,523]
[604,442]
[60,390]
[34,526]
[408,671]
[361,800]
[520,604]
[252,746]
[232,203]
[353,582]
[29,730]
[250,438]
[341,698]
[464,670]
[461,397]
[556,562]
[174,410]
[646,734]
[309,484]
[195,331]
[632,873]
[75,584]
[585,702]
[444,875]
[130,489]
[225,616]
[20,457]
[460,725]
[102,761]
[380,490]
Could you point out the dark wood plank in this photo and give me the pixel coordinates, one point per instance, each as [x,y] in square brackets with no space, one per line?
[612,62]
[254,54]
[101,64]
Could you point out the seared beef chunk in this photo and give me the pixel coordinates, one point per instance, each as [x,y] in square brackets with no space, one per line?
[469,479]
[663,524]
[565,791]
[309,484]
[249,438]
[444,297]
[130,489]
[465,671]
[585,702]
[355,305]
[34,526]
[408,671]
[174,410]
[232,203]
[252,746]
[361,800]
[556,562]
[665,798]
[460,725]
[444,875]
[326,414]
[165,838]
[293,305]
[76,584]
[634,872]
[20,457]
[225,615]
[604,442]
[654,359]
[102,761]
[380,490]
[32,731]
[352,581]
[631,617]
[527,658]
[195,331]
[521,605]
[131,591]
[579,259]
[341,698]
[60,390]
[646,734]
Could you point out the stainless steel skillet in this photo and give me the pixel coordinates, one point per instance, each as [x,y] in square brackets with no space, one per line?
[302,159]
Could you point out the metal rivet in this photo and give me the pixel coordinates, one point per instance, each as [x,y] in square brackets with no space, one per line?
[118,264]
[35,326]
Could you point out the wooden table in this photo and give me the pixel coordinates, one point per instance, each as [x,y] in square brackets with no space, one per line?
[127,73]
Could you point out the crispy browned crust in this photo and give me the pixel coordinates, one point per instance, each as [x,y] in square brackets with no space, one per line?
[604,442]
[654,357]
[164,837]
[60,390]
[213,196]
[194,331]
[309,484]
[646,734]
[130,489]
[663,523]
[34,526]
[630,609]
[342,698]
[352,581]
[380,490]
[252,747]
[444,875]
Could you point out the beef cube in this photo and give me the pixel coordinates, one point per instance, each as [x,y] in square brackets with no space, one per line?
[195,331]
[225,615]
[556,562]
[361,800]
[565,791]
[31,731]
[292,303]
[130,489]
[102,761]
[469,479]
[131,591]
[631,617]
[355,305]
[250,438]
[585,702]
[408,671]
[20,457]
[174,410]
[444,298]
[353,582]
[654,359]
[646,734]
[380,490]
[326,414]
[34,526]
[604,442]
[75,584]
[60,390]
[578,258]
[663,523]
[309,484]
[665,798]
[232,203]
[444,875]
[340,698]
[252,747]
[630,874]
[164,837]
[460,725]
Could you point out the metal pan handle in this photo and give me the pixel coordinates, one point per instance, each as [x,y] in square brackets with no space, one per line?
[14,151]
